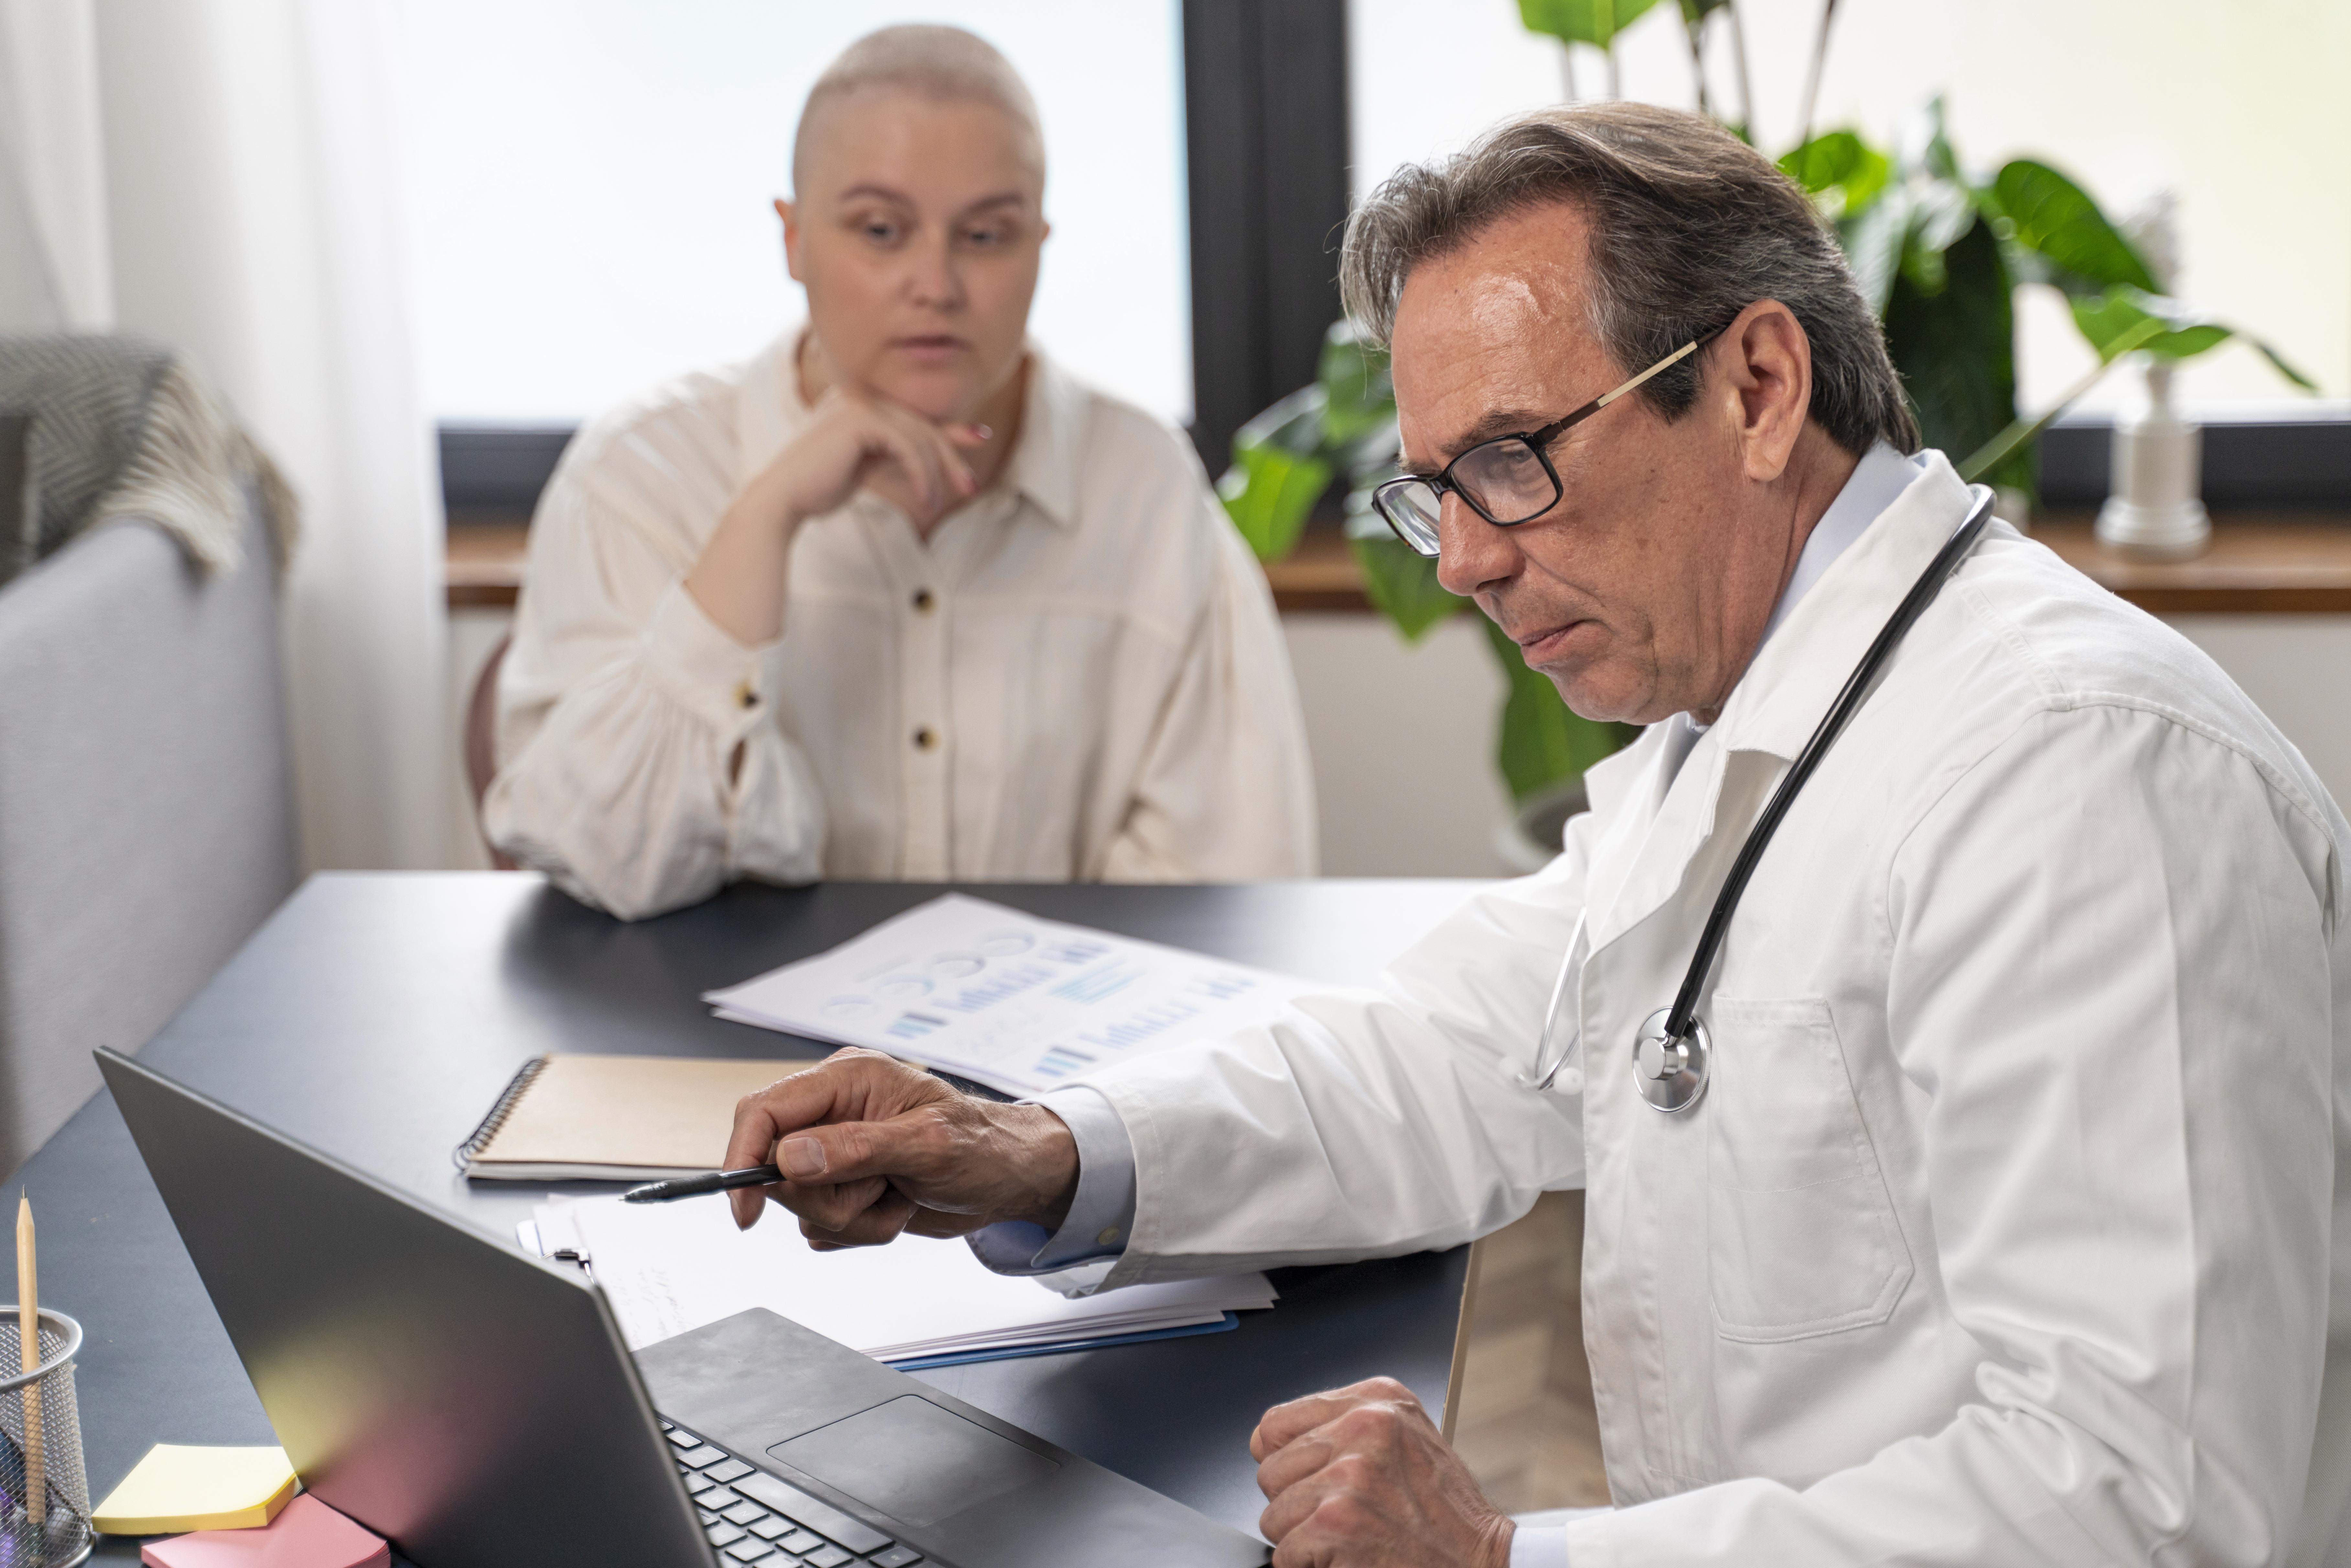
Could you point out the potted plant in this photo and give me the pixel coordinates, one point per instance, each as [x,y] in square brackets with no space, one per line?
[1940,255]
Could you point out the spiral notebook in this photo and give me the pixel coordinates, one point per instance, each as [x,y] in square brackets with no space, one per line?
[613,1118]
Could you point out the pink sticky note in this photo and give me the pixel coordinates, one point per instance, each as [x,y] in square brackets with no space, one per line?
[305,1534]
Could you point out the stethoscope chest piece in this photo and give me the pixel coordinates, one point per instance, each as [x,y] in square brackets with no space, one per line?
[1671,1074]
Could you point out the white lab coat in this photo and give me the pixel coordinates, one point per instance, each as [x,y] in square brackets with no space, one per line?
[2008,1229]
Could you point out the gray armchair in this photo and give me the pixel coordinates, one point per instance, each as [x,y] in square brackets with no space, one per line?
[146,801]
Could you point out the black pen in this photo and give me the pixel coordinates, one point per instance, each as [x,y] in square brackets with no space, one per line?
[692,1186]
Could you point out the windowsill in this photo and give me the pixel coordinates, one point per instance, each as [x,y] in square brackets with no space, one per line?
[2260,564]
[2266,563]
[482,563]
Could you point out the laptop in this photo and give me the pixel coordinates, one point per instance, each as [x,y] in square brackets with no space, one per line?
[477,1407]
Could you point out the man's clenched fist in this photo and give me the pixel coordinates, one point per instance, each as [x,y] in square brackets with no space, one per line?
[1360,1478]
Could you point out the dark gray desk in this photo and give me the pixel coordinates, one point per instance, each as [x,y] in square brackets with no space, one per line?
[376,1015]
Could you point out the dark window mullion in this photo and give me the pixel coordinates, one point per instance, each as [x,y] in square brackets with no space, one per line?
[1265,89]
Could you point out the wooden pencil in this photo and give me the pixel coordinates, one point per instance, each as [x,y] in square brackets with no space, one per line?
[29,1338]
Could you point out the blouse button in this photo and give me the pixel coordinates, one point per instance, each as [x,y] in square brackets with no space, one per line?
[745,695]
[925,738]
[923,601]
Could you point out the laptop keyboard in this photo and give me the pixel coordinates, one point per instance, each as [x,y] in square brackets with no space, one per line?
[757,1521]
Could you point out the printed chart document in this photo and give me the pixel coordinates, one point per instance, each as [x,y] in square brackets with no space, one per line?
[1006,999]
[671,1267]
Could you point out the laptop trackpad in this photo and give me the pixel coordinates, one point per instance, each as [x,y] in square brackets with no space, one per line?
[913,1460]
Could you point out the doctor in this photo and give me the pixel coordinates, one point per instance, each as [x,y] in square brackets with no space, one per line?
[2001,1226]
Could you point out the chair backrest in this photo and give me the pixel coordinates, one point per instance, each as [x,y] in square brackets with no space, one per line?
[482,739]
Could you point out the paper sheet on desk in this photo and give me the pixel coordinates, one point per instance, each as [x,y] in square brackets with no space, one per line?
[1004,997]
[668,1267]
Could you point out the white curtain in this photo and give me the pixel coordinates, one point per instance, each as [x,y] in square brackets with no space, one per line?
[52,264]
[255,175]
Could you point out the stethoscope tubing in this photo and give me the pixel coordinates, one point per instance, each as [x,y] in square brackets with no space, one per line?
[1849,700]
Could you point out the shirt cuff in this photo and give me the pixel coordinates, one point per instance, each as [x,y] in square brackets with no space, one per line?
[713,676]
[1101,1213]
[1539,1546]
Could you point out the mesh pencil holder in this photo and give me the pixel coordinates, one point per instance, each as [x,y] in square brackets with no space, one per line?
[64,1537]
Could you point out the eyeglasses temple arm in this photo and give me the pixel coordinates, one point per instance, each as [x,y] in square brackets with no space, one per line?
[1552,432]
[1604,398]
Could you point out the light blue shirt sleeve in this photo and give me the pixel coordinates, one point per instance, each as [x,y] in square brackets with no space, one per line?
[1100,1214]
[1539,1546]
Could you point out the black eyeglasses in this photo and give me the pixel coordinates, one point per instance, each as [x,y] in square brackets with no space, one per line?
[1507,480]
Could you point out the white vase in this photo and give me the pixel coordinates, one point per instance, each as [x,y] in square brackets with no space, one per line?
[2158,465]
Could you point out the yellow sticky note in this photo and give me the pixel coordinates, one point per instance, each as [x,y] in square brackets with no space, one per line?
[176,1487]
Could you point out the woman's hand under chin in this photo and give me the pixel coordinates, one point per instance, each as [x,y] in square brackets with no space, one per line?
[854,442]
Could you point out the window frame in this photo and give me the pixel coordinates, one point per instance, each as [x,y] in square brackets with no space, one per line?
[1266,98]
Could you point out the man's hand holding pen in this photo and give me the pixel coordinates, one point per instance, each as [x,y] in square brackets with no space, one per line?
[869,1147]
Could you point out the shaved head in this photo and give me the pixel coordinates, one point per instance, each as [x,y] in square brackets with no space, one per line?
[942,63]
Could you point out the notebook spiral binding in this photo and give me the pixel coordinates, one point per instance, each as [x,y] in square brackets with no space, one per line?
[525,1076]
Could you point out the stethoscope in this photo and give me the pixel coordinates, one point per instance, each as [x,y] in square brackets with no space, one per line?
[1672,1054]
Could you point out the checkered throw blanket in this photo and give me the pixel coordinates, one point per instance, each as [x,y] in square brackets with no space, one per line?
[121,428]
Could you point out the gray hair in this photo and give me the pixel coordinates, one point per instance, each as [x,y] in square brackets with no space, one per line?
[933,62]
[1689,227]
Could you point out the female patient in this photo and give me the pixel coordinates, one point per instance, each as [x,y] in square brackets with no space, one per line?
[897,598]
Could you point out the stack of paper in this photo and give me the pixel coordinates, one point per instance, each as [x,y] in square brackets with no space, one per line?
[1004,997]
[671,1267]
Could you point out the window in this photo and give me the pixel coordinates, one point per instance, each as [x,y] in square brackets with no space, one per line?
[594,180]
[2237,111]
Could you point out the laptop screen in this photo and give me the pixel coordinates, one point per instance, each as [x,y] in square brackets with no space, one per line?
[472,1405]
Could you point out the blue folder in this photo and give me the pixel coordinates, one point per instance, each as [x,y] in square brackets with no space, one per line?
[1061,1347]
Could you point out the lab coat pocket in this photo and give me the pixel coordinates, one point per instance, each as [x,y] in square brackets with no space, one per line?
[1802,1237]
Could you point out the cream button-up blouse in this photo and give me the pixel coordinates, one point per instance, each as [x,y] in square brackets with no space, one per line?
[1079,677]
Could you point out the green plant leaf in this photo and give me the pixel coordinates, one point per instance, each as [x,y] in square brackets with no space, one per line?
[1875,243]
[1695,12]
[2125,319]
[1358,432]
[1922,264]
[1996,454]
[1843,174]
[1943,211]
[1835,158]
[1580,21]
[1280,470]
[2122,320]
[2056,217]
[2279,364]
[1294,424]
[1269,493]
[1542,740]
[1401,583]
[1925,148]
[1941,214]
[1955,348]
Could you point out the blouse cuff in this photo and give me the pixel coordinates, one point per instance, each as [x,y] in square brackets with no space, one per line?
[713,676]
